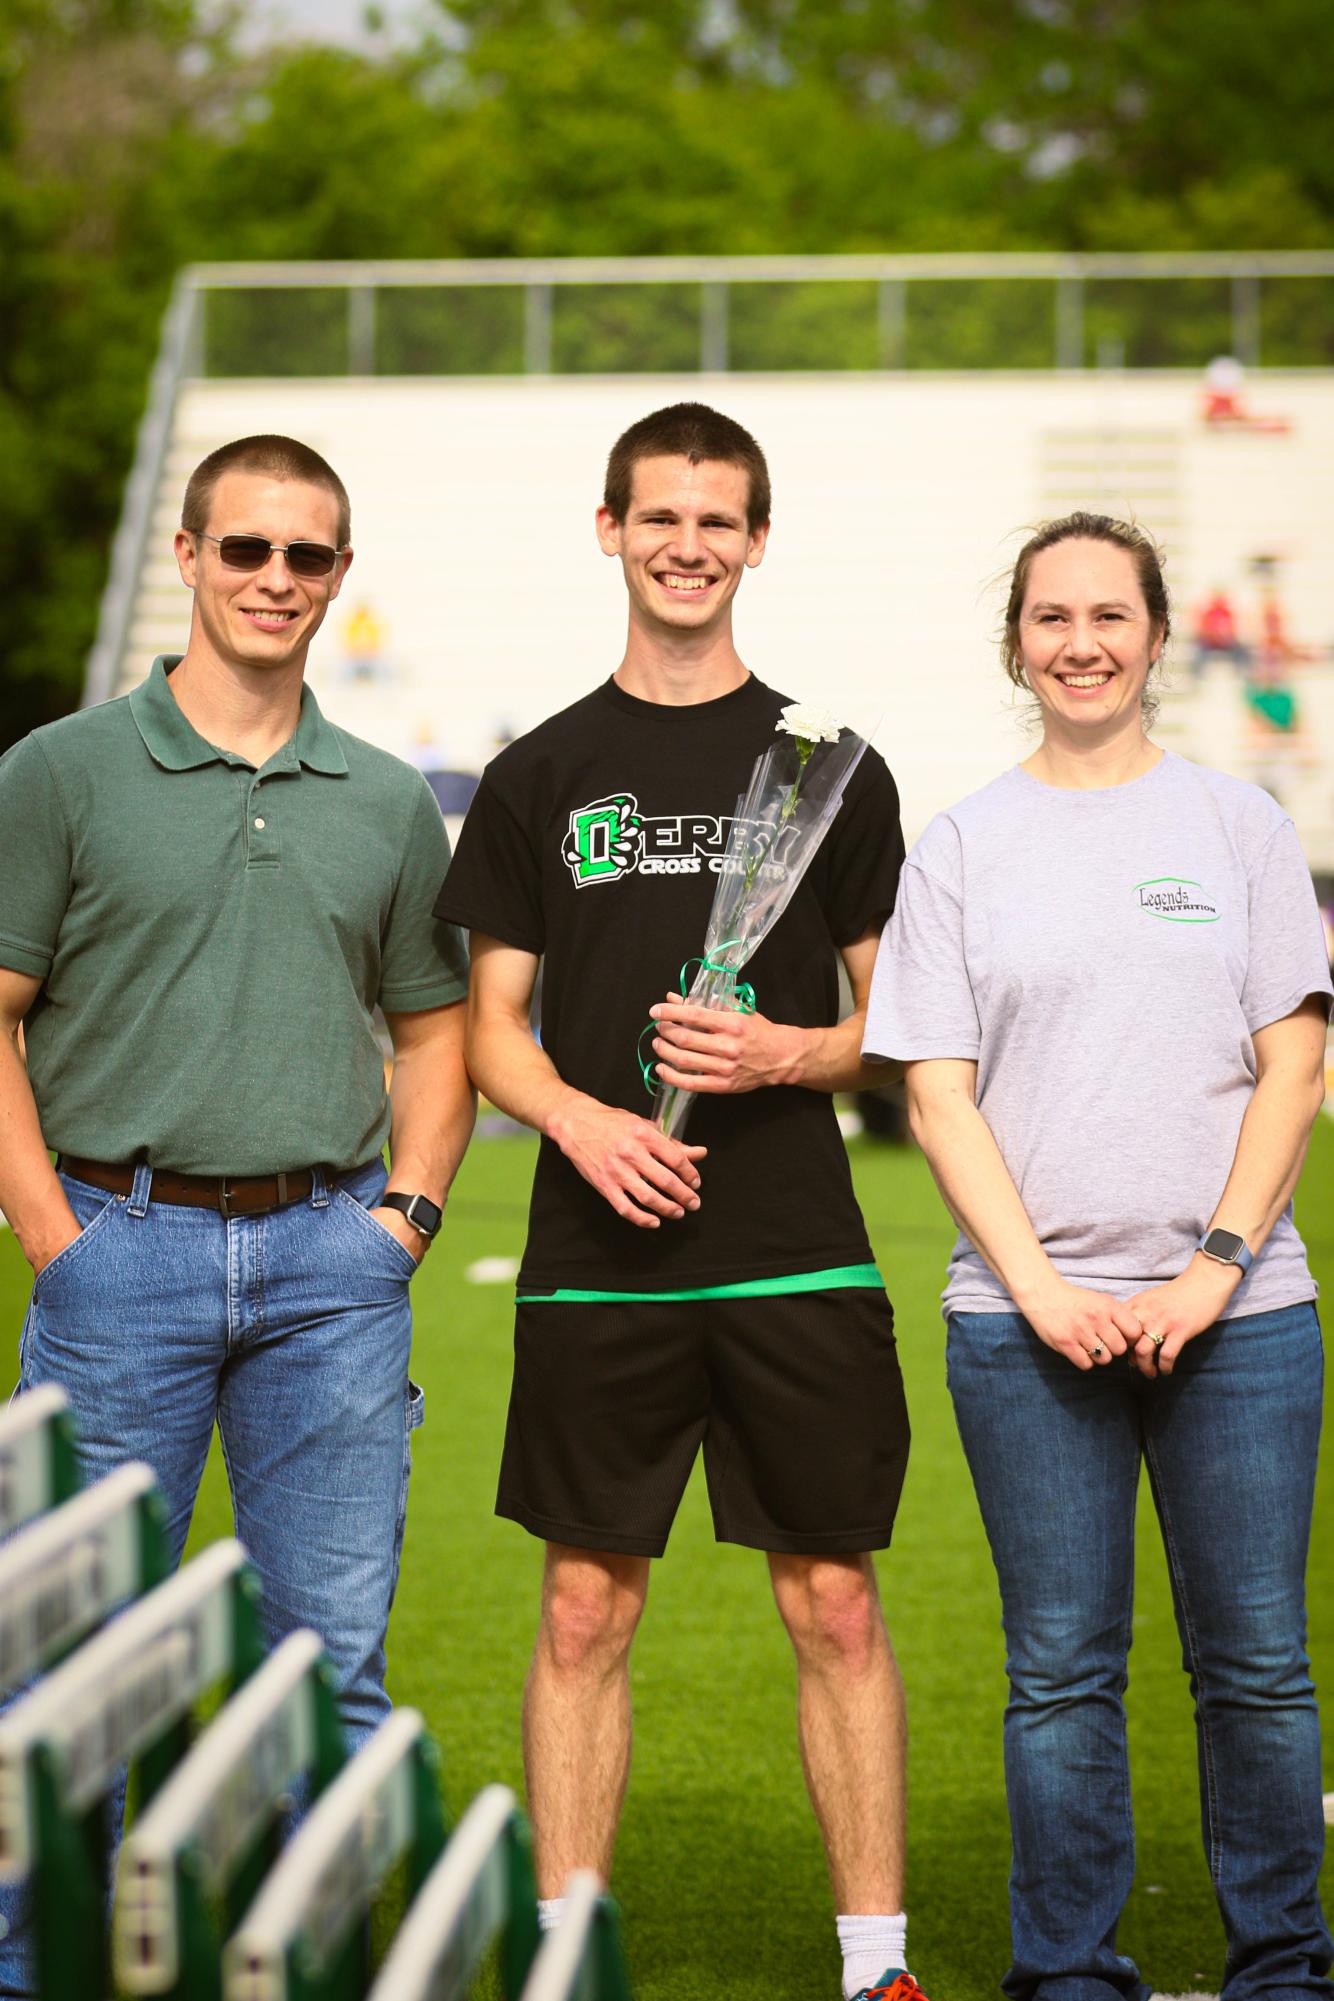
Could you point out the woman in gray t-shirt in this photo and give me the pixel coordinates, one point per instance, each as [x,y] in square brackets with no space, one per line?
[1106,977]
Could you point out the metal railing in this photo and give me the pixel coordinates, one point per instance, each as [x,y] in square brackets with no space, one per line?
[541,280]
[545,316]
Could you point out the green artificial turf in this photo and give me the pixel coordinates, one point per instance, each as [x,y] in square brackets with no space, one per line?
[719,1871]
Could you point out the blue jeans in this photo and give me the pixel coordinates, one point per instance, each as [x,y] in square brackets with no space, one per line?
[292,1331]
[1230,1440]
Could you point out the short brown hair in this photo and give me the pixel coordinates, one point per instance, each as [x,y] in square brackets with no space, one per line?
[280,458]
[1083,527]
[687,431]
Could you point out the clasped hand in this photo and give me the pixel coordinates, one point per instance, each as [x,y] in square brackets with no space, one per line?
[644,1175]
[1174,1313]
[1089,1328]
[717,1049]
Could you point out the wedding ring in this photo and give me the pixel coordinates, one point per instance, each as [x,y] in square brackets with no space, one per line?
[1096,1350]
[1157,1339]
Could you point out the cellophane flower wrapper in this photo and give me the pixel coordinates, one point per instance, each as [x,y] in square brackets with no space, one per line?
[781,819]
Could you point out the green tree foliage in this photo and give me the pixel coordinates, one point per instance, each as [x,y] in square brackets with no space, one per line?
[96,97]
[133,139]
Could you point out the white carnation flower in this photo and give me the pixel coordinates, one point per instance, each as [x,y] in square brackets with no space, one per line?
[812,725]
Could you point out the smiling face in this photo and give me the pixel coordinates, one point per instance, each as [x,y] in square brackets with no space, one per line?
[262,618]
[1086,639]
[684,544]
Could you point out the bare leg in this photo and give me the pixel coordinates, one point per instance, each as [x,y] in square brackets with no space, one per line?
[851,1724]
[576,1710]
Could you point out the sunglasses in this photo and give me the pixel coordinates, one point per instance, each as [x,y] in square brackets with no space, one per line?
[252,552]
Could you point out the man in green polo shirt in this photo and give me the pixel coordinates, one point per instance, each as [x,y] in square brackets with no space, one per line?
[218,888]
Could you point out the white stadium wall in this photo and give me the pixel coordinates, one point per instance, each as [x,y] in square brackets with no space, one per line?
[897,501]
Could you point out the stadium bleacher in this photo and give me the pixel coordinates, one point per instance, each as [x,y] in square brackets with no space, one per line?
[479,603]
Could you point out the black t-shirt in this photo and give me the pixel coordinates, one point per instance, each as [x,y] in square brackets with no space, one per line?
[590,842]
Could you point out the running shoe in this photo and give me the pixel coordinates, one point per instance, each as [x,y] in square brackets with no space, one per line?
[893,1985]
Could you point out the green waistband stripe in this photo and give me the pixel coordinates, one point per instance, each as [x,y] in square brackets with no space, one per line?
[837,1278]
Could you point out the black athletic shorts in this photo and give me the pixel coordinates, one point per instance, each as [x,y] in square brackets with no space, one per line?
[797,1399]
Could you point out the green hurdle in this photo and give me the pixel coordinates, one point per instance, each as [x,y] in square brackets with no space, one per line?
[481,1889]
[124,1696]
[62,1574]
[581,1960]
[306,1936]
[38,1468]
[195,1858]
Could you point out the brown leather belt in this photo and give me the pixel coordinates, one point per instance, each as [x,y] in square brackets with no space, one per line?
[245,1195]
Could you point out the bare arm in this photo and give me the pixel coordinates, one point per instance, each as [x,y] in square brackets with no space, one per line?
[984,1202]
[718,1050]
[1271,1146]
[432,1106]
[643,1174]
[30,1192]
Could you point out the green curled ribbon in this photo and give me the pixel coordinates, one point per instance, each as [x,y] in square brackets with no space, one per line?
[734,993]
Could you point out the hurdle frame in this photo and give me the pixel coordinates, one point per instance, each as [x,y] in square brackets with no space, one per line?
[63,1572]
[581,1959]
[38,1467]
[482,1889]
[123,1697]
[211,1830]
[306,1937]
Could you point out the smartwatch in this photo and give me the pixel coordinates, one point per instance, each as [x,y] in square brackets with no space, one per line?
[1226,1248]
[426,1216]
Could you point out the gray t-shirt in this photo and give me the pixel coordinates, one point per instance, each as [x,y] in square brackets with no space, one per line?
[1105,958]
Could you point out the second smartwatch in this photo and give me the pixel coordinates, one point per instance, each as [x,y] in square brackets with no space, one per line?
[1226,1248]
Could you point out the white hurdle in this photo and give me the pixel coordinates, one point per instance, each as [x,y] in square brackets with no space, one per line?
[567,1968]
[214,1807]
[65,1571]
[323,1883]
[117,1693]
[35,1455]
[482,1885]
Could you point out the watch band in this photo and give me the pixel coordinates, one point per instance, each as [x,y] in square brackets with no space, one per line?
[424,1215]
[1225,1247]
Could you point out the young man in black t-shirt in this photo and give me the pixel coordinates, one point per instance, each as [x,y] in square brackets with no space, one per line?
[721,1291]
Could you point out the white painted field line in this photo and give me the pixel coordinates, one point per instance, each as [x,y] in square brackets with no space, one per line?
[492,1271]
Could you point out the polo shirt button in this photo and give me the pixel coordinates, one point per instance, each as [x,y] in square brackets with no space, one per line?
[260,825]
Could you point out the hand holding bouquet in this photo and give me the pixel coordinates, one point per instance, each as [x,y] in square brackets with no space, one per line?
[795,790]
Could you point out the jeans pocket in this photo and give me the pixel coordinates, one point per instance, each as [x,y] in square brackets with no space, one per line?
[73,1250]
[377,1230]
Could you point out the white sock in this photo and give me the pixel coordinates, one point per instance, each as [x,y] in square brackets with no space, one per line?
[870,1947]
[550,1911]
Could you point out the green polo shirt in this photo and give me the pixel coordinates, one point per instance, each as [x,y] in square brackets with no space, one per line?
[212,939]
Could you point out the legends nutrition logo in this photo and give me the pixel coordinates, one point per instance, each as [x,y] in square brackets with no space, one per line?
[611,838]
[1176,899]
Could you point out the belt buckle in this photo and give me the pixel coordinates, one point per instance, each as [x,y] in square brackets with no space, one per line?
[226,1210]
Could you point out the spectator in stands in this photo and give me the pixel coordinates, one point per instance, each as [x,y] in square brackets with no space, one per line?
[1225,406]
[363,645]
[1224,391]
[665,1300]
[217,889]
[1106,977]
[1216,635]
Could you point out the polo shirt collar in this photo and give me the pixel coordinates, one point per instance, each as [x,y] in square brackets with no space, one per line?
[316,742]
[175,744]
